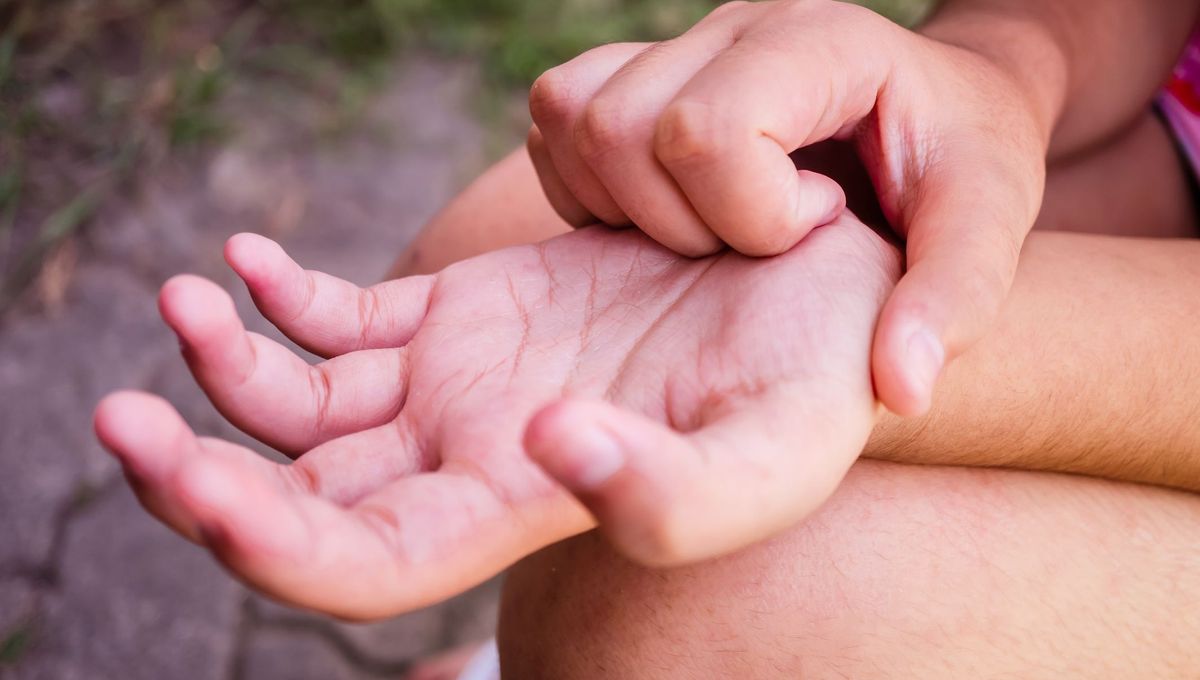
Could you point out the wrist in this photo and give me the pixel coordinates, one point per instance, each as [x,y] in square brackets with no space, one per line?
[1021,48]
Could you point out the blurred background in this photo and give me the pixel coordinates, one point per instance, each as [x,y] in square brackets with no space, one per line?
[135,137]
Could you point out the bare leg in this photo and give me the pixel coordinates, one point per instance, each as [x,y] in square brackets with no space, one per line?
[907,573]
[1135,186]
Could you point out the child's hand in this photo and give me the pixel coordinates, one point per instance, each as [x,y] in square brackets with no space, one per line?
[687,413]
[689,140]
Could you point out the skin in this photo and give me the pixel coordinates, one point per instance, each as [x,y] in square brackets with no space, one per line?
[593,343]
[908,572]
[1092,369]
[1101,60]
[1089,192]
[807,603]
[203,487]
[290,529]
[1136,425]
[689,139]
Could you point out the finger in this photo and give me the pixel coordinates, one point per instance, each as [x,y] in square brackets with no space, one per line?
[348,468]
[162,508]
[322,313]
[555,102]
[615,135]
[289,545]
[416,542]
[265,389]
[131,426]
[556,190]
[151,442]
[731,160]
[665,498]
[274,533]
[962,257]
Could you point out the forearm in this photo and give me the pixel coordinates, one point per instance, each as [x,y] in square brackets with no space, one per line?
[1093,369]
[1089,66]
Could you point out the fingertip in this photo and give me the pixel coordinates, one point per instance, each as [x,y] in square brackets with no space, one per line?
[112,405]
[568,440]
[703,245]
[199,311]
[192,305]
[243,246]
[769,245]
[908,360]
[545,427]
[173,294]
[140,430]
[819,200]
[614,462]
[112,418]
[825,200]
[254,258]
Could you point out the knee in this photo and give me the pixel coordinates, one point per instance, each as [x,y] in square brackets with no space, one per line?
[900,566]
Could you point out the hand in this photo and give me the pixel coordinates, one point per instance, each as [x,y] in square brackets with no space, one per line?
[689,139]
[694,405]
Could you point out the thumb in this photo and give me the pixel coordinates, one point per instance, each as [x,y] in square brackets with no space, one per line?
[665,498]
[962,257]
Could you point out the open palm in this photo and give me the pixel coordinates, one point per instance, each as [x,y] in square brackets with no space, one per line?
[693,406]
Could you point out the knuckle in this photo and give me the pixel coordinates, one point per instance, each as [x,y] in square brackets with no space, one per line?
[757,240]
[387,526]
[603,126]
[369,315]
[689,132]
[322,394]
[551,100]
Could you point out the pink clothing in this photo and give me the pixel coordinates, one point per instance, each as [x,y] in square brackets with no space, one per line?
[1179,102]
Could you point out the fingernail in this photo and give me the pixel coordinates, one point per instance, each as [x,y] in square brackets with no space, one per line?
[591,461]
[835,211]
[925,359]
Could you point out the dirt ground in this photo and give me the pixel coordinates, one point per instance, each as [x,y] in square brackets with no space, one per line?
[90,586]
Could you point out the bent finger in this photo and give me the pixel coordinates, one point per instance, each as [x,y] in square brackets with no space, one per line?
[733,162]
[556,101]
[557,192]
[324,314]
[265,389]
